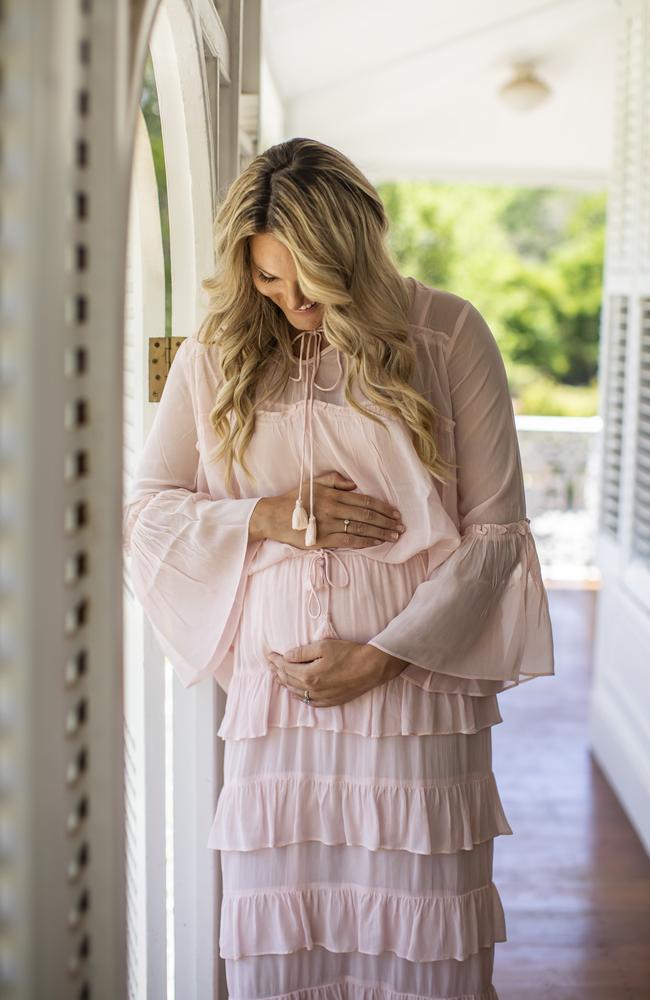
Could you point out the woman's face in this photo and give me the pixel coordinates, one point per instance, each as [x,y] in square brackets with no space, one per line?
[274,274]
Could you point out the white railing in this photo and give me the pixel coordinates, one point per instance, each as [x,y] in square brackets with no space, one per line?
[561,459]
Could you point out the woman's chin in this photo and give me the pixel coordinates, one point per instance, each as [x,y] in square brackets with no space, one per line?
[310,321]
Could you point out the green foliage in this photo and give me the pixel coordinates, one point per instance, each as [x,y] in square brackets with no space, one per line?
[531,260]
[151,113]
[421,238]
[536,393]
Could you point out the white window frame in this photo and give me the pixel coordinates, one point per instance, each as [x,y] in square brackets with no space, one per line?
[199,112]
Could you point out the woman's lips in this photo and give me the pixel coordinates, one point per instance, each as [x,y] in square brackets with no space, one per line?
[310,309]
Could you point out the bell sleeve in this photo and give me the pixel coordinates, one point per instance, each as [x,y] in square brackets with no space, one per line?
[479,623]
[188,551]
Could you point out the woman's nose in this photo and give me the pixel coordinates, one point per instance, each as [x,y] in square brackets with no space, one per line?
[295,298]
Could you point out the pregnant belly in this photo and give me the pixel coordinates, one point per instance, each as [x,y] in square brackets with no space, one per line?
[290,602]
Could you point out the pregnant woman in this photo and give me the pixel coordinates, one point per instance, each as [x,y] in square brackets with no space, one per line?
[328,518]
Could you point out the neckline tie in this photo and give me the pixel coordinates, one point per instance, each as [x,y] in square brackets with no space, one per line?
[309,358]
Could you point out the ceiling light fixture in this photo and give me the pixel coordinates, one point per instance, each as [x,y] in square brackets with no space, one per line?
[525,90]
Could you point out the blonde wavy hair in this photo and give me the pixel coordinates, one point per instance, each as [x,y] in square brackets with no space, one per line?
[315,202]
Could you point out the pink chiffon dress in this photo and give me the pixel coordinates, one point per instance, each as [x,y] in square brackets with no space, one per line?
[356,841]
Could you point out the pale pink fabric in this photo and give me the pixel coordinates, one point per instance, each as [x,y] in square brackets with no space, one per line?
[356,840]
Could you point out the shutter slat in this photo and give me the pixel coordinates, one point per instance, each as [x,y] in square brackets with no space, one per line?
[641,508]
[613,412]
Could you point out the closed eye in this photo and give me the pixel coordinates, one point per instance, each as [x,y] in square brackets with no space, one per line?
[266,277]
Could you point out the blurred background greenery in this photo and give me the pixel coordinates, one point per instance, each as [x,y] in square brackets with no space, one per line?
[531,260]
[151,114]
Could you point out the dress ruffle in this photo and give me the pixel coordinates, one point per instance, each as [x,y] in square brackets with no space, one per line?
[438,683]
[347,988]
[346,918]
[486,614]
[318,974]
[439,816]
[257,702]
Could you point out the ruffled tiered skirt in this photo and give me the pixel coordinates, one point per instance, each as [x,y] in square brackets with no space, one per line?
[356,841]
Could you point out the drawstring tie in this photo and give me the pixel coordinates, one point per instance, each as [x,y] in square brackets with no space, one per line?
[317,576]
[299,518]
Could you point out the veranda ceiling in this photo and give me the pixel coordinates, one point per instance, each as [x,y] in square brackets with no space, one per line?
[409,89]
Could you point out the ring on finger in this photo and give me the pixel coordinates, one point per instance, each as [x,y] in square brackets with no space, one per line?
[346,521]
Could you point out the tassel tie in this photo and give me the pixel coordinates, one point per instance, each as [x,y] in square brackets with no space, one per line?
[318,575]
[313,338]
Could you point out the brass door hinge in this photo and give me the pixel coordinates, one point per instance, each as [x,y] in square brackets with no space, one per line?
[162,351]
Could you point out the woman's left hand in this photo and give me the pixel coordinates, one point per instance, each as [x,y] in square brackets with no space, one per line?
[333,670]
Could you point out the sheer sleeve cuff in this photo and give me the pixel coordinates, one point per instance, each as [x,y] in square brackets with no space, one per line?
[189,559]
[480,623]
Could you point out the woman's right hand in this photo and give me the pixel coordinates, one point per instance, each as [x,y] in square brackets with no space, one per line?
[371,520]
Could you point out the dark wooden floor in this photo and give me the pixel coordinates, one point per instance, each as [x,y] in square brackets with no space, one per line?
[574,878]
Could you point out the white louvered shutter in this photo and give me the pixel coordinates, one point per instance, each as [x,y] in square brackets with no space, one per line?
[619,730]
[63,207]
[625,510]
